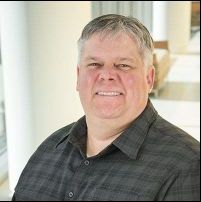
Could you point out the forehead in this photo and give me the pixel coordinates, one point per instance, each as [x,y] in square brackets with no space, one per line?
[111,43]
[112,37]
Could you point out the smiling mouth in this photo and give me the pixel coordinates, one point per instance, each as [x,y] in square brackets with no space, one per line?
[110,94]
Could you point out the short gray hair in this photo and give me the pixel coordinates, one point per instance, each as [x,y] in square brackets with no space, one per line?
[112,24]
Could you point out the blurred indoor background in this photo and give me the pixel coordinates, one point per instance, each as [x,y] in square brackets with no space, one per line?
[38,69]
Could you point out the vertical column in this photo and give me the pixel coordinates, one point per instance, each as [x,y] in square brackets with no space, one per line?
[179,21]
[108,7]
[16,73]
[124,7]
[160,20]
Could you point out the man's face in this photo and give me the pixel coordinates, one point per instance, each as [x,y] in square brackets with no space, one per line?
[111,78]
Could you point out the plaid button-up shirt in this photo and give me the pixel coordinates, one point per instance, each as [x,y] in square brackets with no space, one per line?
[150,161]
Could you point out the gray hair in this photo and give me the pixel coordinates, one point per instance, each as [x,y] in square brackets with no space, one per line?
[112,24]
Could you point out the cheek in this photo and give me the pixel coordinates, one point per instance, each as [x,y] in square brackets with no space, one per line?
[85,80]
[130,81]
[134,82]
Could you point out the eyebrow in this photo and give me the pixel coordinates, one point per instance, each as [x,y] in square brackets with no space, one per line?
[92,58]
[119,59]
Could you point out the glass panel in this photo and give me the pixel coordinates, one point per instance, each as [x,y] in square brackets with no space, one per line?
[2,115]
[3,143]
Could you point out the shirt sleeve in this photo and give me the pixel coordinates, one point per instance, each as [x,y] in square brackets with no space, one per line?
[183,186]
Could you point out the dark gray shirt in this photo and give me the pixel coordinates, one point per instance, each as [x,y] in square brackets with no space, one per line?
[150,161]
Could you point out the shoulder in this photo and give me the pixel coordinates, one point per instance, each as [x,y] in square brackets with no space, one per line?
[51,141]
[46,150]
[174,145]
[48,146]
[41,165]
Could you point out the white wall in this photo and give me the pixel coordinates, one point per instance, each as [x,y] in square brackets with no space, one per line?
[54,28]
[39,56]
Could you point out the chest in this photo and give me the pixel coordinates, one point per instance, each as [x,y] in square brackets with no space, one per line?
[112,177]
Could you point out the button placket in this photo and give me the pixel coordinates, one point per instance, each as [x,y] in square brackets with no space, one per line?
[70,194]
[86,162]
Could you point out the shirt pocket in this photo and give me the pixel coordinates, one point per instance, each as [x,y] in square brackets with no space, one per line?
[113,194]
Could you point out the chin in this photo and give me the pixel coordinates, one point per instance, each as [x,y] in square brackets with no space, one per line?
[107,114]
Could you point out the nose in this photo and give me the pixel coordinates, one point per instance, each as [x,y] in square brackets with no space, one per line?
[107,74]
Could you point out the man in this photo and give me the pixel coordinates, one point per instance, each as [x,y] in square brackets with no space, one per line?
[121,149]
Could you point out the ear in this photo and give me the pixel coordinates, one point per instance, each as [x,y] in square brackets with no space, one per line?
[78,71]
[150,77]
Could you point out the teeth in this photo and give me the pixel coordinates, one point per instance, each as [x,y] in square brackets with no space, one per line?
[108,93]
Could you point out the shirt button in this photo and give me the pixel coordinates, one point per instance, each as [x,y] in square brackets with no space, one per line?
[70,194]
[86,162]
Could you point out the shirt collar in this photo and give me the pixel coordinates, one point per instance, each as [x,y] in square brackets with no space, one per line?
[76,134]
[129,142]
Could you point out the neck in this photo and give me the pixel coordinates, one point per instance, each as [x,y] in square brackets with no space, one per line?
[100,135]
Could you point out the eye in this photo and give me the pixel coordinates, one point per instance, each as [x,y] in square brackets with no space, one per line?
[94,65]
[124,67]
